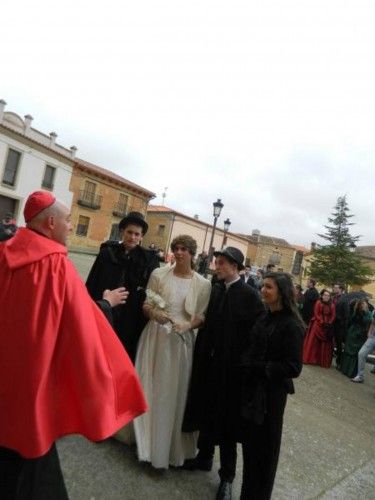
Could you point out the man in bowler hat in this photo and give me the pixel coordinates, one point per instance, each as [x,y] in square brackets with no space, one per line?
[214,398]
[125,264]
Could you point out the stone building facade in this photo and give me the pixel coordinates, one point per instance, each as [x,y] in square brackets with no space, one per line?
[166,223]
[101,199]
[263,250]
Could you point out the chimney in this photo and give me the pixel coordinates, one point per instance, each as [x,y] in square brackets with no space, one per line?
[256,234]
[313,246]
[73,151]
[2,107]
[52,138]
[28,120]
[196,217]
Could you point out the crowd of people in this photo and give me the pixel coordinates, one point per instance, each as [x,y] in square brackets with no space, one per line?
[8,226]
[156,355]
[211,387]
[338,326]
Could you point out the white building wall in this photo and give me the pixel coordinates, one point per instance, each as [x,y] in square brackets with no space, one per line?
[30,174]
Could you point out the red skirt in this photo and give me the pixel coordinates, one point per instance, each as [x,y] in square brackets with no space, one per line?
[318,347]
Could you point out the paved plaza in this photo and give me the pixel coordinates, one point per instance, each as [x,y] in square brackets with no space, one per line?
[328,449]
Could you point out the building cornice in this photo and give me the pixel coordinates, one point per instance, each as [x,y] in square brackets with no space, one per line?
[14,134]
[103,173]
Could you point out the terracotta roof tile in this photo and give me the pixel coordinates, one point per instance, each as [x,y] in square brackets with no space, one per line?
[159,208]
[103,172]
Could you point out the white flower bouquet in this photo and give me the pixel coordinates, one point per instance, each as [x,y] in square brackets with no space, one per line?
[159,305]
[155,300]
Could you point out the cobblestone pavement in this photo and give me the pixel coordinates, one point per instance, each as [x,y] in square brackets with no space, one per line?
[328,450]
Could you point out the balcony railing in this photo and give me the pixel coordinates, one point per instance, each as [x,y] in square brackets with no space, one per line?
[120,209]
[89,200]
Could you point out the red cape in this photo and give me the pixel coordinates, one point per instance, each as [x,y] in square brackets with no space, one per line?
[62,368]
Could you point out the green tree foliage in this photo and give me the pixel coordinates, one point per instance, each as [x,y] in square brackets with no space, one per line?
[336,262]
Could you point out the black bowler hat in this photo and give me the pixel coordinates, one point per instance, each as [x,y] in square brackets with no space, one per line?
[135,218]
[232,254]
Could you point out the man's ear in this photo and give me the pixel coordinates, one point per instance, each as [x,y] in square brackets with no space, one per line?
[50,221]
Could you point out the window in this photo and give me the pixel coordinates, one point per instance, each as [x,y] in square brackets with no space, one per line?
[297,262]
[90,187]
[11,167]
[49,177]
[83,225]
[88,198]
[115,233]
[161,229]
[122,202]
[89,191]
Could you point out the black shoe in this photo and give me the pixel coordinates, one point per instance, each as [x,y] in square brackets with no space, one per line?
[198,463]
[225,491]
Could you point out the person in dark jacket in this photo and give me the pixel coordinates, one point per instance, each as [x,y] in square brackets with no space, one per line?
[272,358]
[247,277]
[214,396]
[8,227]
[310,296]
[125,264]
[340,325]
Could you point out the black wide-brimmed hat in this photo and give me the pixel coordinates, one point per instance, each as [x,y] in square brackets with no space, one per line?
[135,218]
[232,254]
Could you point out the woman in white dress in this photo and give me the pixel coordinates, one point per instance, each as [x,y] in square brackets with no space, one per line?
[165,354]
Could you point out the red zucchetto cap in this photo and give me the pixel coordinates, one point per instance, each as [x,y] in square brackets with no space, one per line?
[36,202]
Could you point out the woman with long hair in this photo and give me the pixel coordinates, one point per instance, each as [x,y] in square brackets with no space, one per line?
[177,298]
[318,345]
[357,334]
[272,358]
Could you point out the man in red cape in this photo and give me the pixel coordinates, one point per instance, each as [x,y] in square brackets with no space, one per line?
[62,368]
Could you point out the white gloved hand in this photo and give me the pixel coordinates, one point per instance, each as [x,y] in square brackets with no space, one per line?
[182,327]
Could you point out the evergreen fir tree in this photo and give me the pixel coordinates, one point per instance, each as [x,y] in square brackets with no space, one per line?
[336,262]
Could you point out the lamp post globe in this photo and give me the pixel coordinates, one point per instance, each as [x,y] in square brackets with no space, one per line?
[218,206]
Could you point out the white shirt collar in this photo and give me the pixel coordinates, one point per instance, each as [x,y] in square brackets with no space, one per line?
[227,285]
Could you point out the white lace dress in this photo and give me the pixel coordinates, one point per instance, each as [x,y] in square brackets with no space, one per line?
[164,362]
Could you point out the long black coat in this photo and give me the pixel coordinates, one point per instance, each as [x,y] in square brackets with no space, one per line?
[214,394]
[310,296]
[114,268]
[272,358]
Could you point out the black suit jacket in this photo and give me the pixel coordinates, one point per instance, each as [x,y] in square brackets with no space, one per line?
[215,390]
[114,268]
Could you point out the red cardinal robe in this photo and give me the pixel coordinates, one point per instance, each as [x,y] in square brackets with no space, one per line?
[62,368]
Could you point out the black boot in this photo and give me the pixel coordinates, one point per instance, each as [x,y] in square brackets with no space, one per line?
[225,491]
[198,463]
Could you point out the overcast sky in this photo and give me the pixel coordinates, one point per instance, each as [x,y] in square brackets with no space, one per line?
[268,105]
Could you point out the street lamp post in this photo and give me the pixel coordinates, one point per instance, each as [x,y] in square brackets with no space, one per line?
[227,223]
[218,206]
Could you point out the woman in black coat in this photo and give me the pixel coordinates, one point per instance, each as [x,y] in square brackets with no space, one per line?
[270,361]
